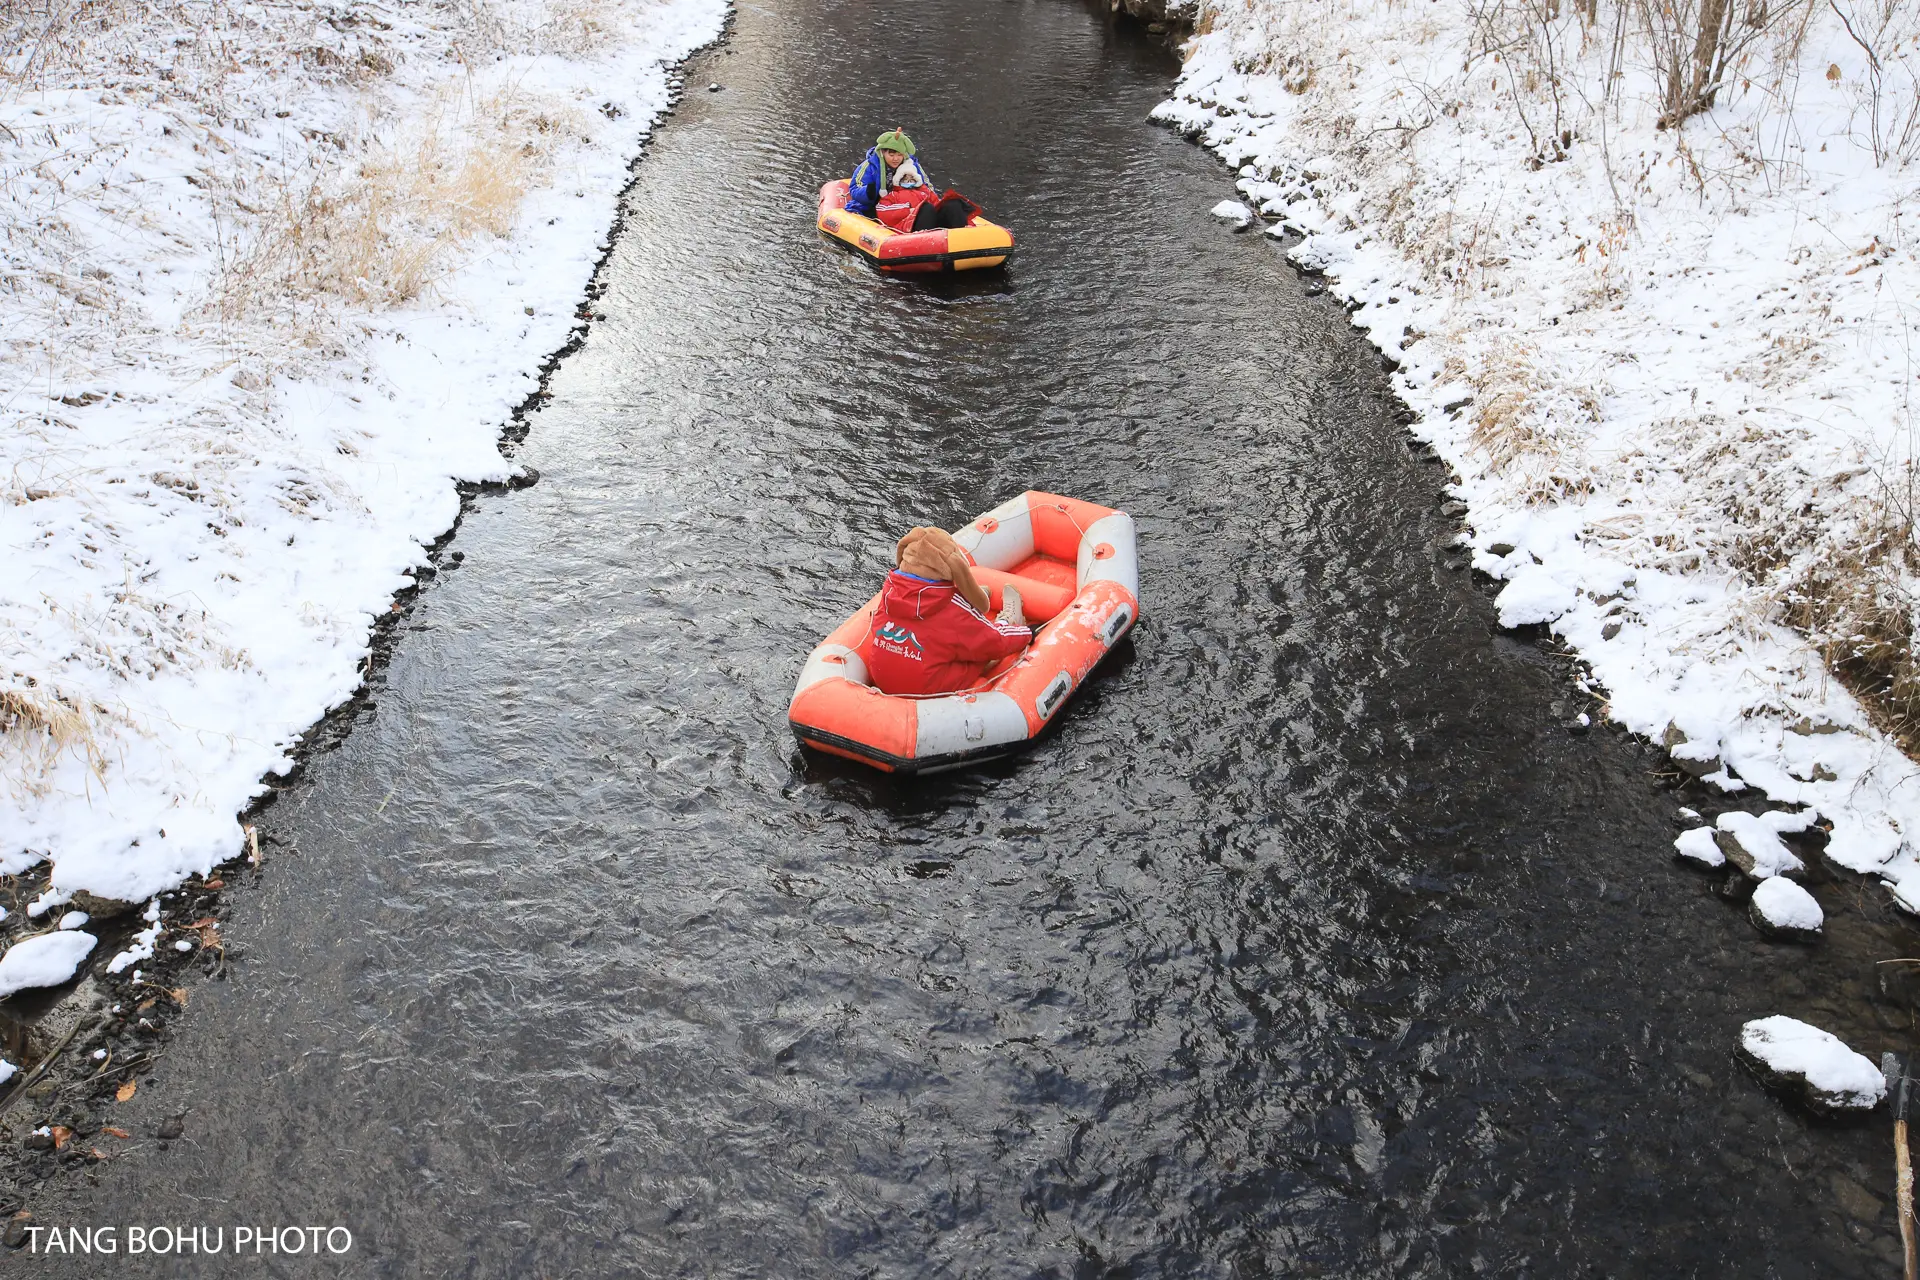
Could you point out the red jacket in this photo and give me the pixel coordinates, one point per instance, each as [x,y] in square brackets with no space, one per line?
[927,639]
[899,207]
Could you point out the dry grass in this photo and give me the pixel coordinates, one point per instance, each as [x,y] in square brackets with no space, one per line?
[1854,609]
[187,48]
[1521,413]
[380,232]
[381,227]
[1835,557]
[368,220]
[1846,582]
[1506,421]
[42,725]
[1572,84]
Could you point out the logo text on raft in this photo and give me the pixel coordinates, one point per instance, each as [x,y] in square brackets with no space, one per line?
[895,638]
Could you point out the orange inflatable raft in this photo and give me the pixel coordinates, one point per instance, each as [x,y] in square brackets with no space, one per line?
[978,245]
[1075,567]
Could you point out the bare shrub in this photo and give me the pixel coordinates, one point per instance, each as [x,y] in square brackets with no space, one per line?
[1885,30]
[1697,44]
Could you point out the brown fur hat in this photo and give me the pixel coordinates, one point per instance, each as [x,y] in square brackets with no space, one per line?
[932,553]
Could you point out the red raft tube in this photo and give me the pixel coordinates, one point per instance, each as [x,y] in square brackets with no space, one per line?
[1078,576]
[974,247]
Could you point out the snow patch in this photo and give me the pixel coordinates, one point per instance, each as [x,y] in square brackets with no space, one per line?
[1533,595]
[143,942]
[46,960]
[1639,348]
[214,481]
[48,901]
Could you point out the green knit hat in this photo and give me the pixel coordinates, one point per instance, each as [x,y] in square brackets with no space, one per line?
[894,140]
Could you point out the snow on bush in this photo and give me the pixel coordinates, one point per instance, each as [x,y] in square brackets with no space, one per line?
[276,276]
[1649,293]
[45,960]
[1792,1054]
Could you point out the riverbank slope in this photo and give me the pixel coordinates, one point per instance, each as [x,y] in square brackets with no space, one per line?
[1650,295]
[276,279]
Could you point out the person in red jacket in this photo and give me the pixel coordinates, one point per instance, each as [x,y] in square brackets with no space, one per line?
[899,205]
[931,632]
[910,203]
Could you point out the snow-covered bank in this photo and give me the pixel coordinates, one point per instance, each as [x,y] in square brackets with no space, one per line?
[276,277]
[1672,367]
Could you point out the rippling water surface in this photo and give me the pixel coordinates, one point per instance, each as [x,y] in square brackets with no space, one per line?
[1309,945]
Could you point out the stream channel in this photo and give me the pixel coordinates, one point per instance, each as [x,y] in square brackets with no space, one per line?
[1311,943]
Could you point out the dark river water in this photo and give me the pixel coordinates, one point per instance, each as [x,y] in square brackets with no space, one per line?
[1310,945]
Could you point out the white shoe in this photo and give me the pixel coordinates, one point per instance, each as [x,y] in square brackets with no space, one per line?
[1010,607]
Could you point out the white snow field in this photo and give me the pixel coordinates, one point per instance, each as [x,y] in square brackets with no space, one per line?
[1672,368]
[276,276]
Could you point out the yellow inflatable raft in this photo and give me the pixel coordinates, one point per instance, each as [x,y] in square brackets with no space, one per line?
[978,245]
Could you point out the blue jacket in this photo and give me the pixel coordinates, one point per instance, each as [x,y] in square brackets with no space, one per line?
[863,193]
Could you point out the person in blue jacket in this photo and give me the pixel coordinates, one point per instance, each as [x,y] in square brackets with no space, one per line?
[874,175]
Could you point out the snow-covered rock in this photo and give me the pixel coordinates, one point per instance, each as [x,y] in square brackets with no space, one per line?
[1812,1065]
[46,960]
[47,901]
[1233,211]
[1699,846]
[1533,595]
[1323,252]
[1752,844]
[7,1070]
[1699,757]
[1782,909]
